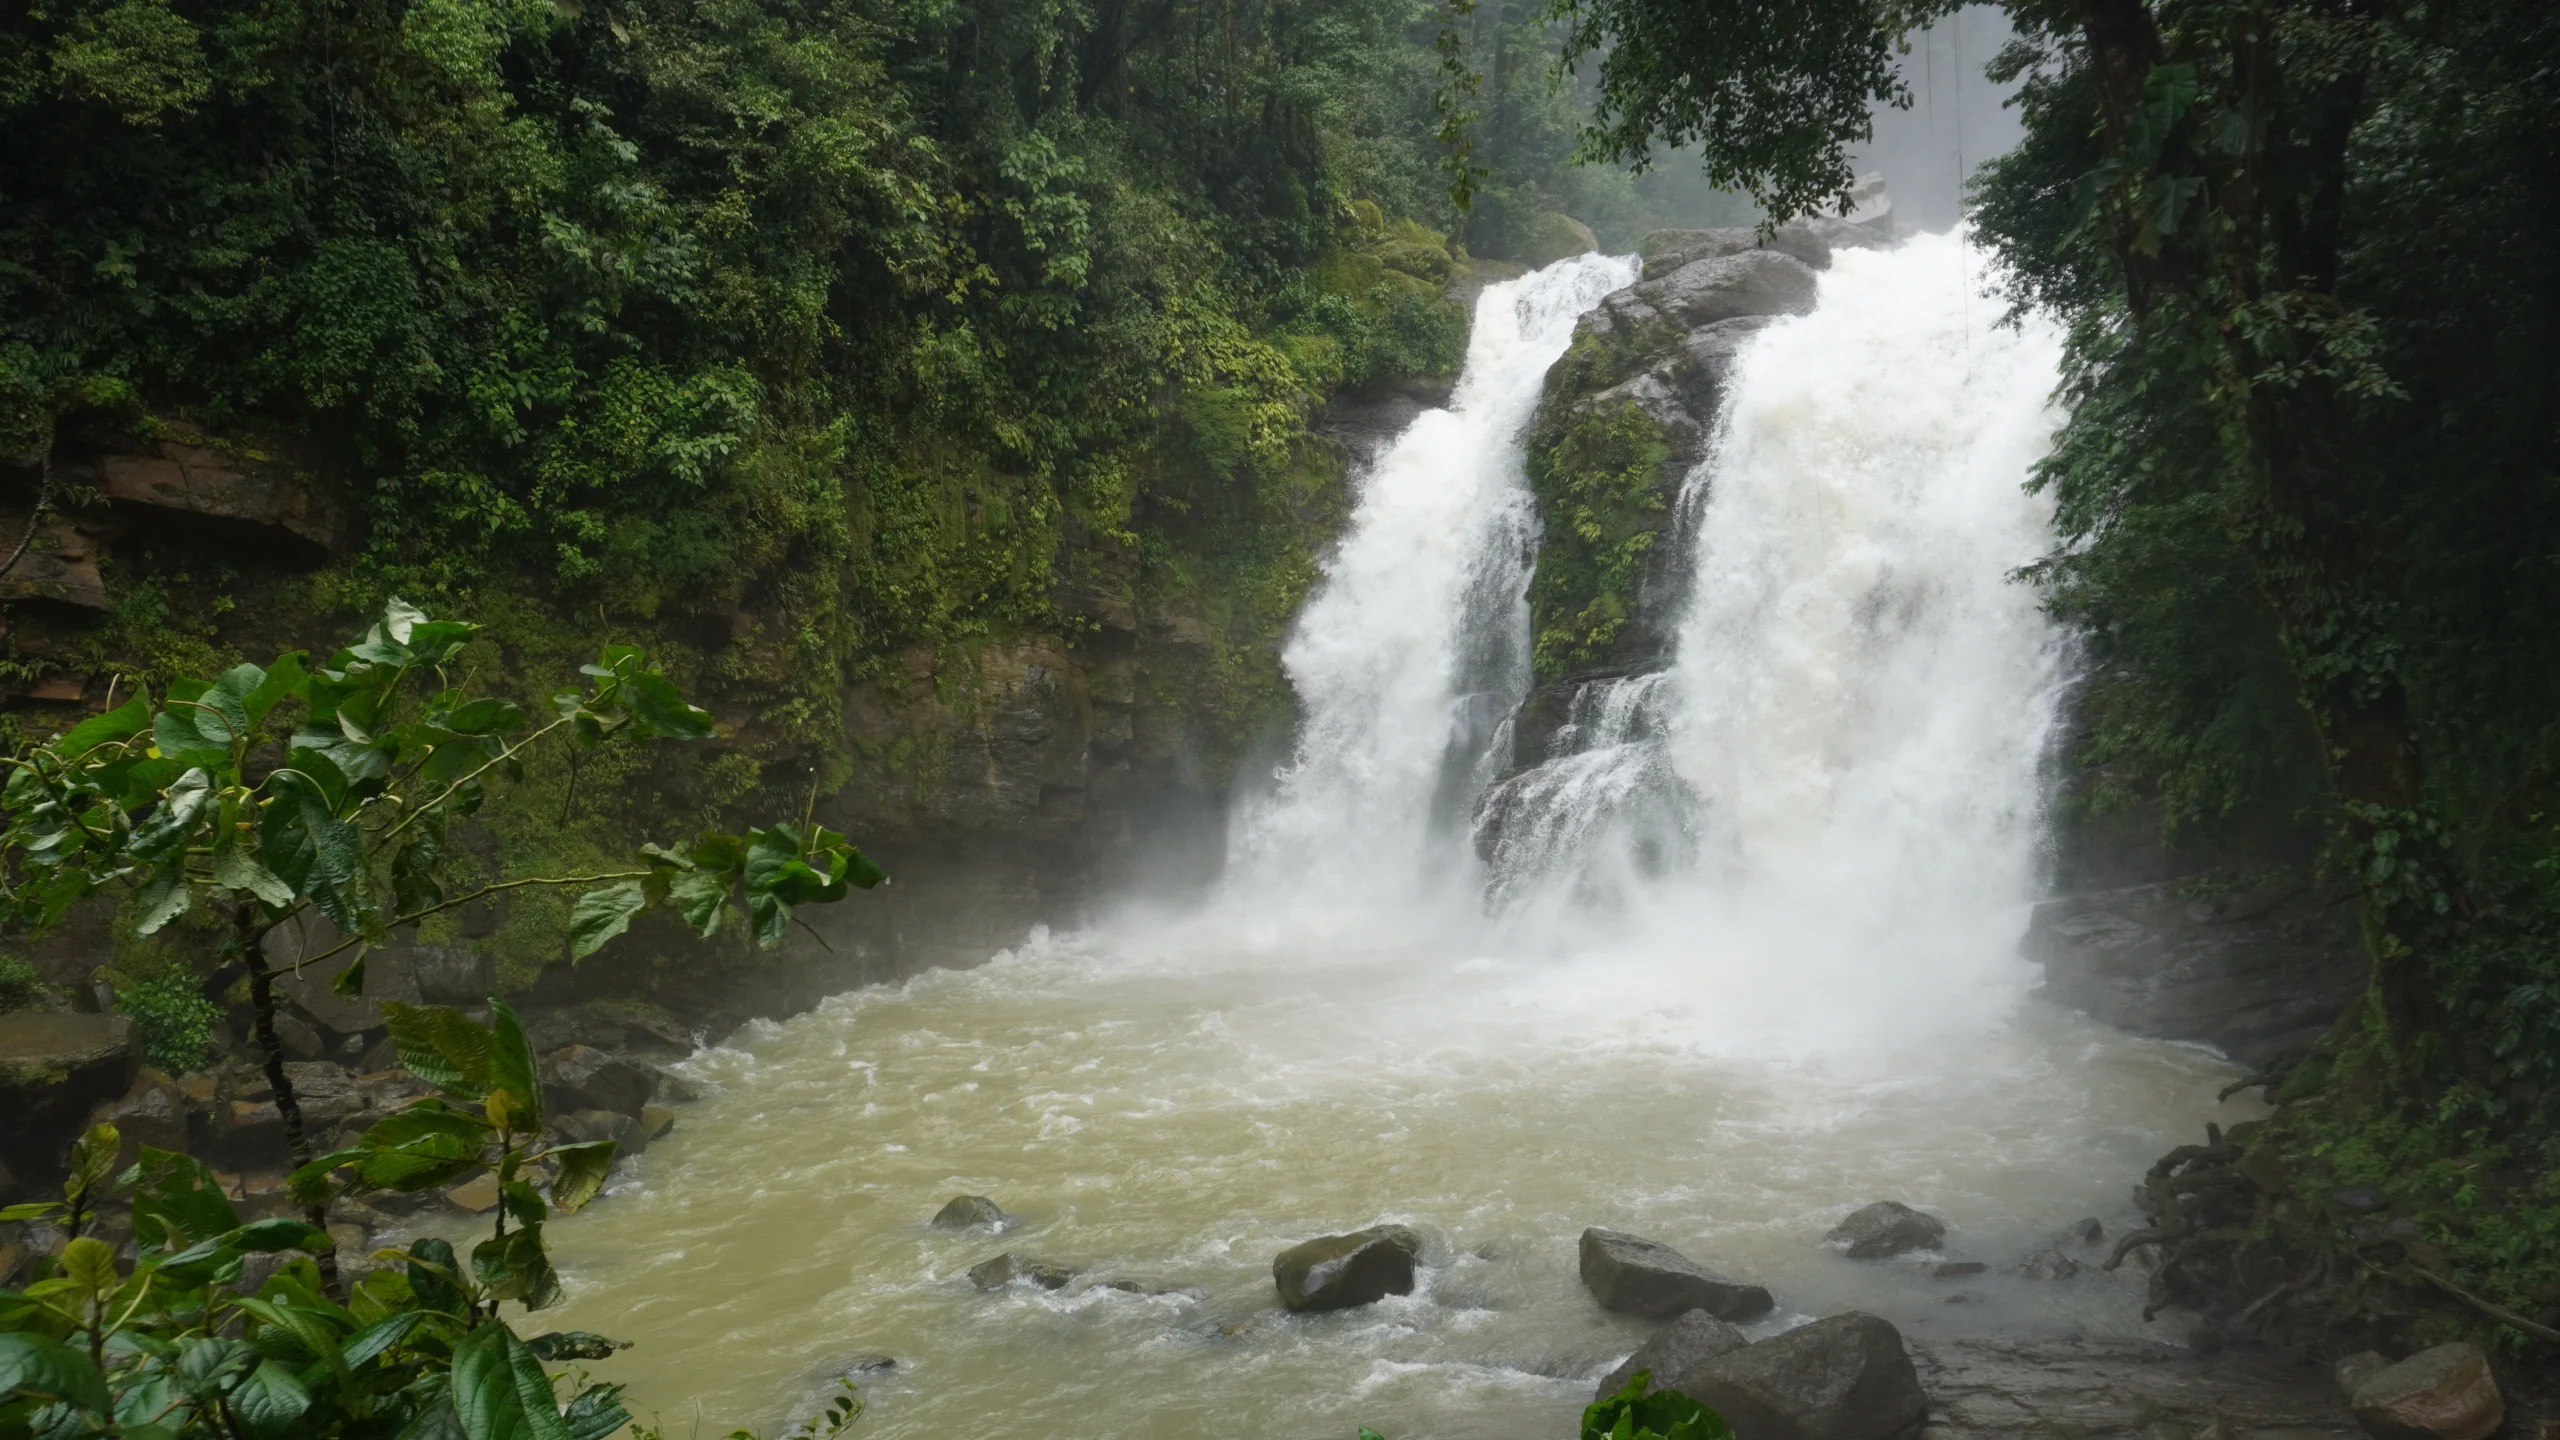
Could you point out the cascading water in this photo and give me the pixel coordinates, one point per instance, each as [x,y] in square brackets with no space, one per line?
[1826,808]
[1411,652]
[1748,964]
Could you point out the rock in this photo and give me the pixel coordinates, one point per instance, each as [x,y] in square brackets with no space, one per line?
[1887,1228]
[1553,236]
[1008,1267]
[2353,1370]
[2446,1393]
[153,1113]
[1952,1269]
[586,1126]
[61,565]
[965,1212]
[298,1038]
[1337,1272]
[1674,1351]
[2084,1232]
[2254,972]
[1846,1377]
[581,1077]
[258,1267]
[2048,1264]
[475,1196]
[867,1363]
[655,1122]
[53,1069]
[1645,1277]
[181,472]
[1755,282]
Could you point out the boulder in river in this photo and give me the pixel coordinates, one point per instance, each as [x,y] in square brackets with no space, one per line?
[581,1077]
[1846,1377]
[967,1212]
[2446,1393]
[1888,1228]
[1646,1277]
[1674,1351]
[1010,1266]
[1337,1272]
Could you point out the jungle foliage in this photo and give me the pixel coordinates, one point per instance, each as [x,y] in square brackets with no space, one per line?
[2306,254]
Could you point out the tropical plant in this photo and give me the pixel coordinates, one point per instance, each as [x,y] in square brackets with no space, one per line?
[269,793]
[1632,1414]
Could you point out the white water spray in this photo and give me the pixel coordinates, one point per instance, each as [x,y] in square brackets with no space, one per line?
[1413,639]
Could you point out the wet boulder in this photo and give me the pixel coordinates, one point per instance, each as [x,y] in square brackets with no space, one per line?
[1676,1350]
[1637,1276]
[2447,1393]
[1754,282]
[53,1068]
[153,1112]
[968,1212]
[1846,1377]
[1010,1266]
[581,1077]
[1337,1272]
[1887,1228]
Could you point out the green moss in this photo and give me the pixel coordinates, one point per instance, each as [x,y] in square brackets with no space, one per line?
[1599,475]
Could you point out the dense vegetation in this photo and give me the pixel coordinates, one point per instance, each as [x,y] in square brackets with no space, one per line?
[2306,494]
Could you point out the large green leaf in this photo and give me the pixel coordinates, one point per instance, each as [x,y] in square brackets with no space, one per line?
[380,1336]
[499,1390]
[280,680]
[702,898]
[603,913]
[661,711]
[172,825]
[236,866]
[583,1168]
[512,1067]
[1632,1414]
[165,897]
[441,1046]
[434,1275]
[31,1364]
[177,1201]
[597,1411]
[269,1400]
[124,722]
[515,1266]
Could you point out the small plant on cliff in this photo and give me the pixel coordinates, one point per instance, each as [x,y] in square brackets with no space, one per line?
[274,792]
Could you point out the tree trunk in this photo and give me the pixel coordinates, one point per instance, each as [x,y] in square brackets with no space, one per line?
[251,937]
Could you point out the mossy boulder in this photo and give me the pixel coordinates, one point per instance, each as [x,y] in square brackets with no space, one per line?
[1338,1272]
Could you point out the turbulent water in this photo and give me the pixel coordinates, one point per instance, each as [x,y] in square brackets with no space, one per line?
[1742,958]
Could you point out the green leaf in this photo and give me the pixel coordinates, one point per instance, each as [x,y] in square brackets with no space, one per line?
[282,679]
[486,716]
[516,1267]
[175,734]
[124,722]
[603,913]
[702,898]
[434,1273]
[583,1168]
[414,886]
[177,1201]
[441,1046]
[236,867]
[350,981]
[32,1364]
[499,1390]
[660,710]
[380,1336]
[172,824]
[597,1411]
[269,1400]
[512,1067]
[165,897]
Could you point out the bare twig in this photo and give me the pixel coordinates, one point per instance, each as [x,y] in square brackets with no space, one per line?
[44,506]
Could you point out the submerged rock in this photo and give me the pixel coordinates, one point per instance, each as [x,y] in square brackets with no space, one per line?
[2446,1393]
[1646,1277]
[1008,1267]
[966,1212]
[1887,1228]
[1953,1269]
[1846,1377]
[1337,1272]
[1673,1353]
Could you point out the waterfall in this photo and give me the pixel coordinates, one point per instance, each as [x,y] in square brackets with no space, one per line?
[1413,648]
[1823,818]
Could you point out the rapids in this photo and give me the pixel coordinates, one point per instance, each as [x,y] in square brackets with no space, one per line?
[1742,958]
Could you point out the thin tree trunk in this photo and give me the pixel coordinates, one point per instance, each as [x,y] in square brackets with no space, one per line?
[262,1000]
